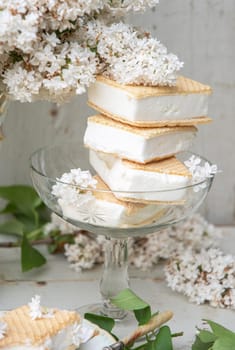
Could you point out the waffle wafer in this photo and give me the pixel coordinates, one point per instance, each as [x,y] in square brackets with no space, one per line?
[23,331]
[184,104]
[158,182]
[141,145]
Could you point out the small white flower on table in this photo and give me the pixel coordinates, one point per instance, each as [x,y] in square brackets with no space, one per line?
[36,311]
[35,307]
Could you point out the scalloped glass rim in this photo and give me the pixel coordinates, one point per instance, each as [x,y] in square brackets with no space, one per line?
[207,181]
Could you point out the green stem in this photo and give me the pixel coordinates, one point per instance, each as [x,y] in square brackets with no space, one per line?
[33,234]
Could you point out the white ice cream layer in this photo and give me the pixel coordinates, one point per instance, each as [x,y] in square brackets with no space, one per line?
[119,103]
[119,177]
[109,214]
[60,341]
[134,146]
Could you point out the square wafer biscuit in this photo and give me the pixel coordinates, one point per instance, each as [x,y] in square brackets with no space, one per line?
[162,181]
[183,104]
[141,145]
[22,332]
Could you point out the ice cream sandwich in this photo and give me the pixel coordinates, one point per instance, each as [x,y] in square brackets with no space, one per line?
[141,145]
[183,104]
[22,332]
[158,181]
[104,209]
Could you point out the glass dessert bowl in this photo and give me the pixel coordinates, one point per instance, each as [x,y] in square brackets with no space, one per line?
[81,198]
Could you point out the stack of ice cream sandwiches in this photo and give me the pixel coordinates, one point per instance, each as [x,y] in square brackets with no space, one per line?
[134,141]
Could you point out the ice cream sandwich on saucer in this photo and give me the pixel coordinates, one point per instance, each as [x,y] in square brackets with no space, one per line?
[22,329]
[183,104]
[140,145]
[159,181]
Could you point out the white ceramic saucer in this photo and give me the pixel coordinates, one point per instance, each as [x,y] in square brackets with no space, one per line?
[99,341]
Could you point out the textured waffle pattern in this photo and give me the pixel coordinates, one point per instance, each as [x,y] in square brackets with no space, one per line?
[147,133]
[21,329]
[184,86]
[171,166]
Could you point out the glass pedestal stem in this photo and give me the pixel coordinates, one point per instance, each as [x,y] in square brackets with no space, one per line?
[115,275]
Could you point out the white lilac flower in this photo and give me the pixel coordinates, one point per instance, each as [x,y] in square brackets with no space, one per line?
[36,311]
[195,232]
[207,276]
[76,180]
[192,163]
[22,84]
[210,170]
[85,253]
[52,50]
[74,189]
[82,178]
[200,173]
[66,12]
[121,7]
[18,31]
[132,57]
[35,307]
[145,253]
[3,329]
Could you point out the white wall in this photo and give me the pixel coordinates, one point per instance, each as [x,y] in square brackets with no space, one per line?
[202,33]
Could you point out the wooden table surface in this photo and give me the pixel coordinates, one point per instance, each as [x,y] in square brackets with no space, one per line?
[59,286]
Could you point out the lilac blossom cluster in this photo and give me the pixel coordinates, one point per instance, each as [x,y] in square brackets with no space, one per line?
[207,276]
[53,50]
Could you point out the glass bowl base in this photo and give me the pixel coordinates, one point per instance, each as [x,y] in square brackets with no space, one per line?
[102,310]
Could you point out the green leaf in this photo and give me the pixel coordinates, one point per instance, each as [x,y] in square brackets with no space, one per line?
[13,227]
[143,315]
[44,214]
[104,322]
[206,336]
[23,198]
[219,330]
[128,300]
[224,343]
[199,345]
[163,339]
[9,208]
[30,257]
[28,222]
